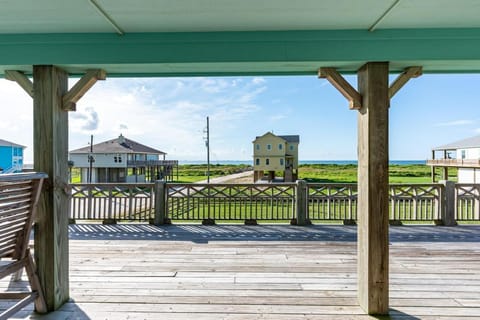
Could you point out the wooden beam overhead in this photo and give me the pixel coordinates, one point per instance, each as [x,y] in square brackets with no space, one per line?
[81,87]
[402,79]
[20,78]
[354,98]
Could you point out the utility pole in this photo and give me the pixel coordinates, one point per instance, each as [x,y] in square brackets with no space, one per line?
[90,160]
[207,144]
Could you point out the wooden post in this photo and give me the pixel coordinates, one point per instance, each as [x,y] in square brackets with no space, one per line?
[373,188]
[160,203]
[301,203]
[448,207]
[50,132]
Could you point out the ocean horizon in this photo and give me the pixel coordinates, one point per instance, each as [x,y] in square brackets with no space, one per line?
[338,162]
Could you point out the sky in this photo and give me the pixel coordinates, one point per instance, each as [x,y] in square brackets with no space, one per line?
[169,114]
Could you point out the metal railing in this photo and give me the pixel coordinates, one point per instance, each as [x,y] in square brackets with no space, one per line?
[267,202]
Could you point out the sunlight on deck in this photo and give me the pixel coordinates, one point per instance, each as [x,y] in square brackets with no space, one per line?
[262,272]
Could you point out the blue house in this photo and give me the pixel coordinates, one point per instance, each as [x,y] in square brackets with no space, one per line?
[11,157]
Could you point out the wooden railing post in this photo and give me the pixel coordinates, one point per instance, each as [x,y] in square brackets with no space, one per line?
[160,203]
[301,203]
[448,207]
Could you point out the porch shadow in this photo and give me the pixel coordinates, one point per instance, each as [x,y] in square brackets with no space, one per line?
[204,234]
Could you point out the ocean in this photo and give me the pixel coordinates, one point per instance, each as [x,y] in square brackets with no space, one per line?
[340,162]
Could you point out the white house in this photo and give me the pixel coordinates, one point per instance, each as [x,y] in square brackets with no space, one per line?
[463,155]
[121,160]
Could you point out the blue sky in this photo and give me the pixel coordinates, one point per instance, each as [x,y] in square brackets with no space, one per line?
[170,114]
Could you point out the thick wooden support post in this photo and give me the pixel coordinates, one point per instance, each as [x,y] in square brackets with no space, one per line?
[448,203]
[160,203]
[354,98]
[50,131]
[71,98]
[373,188]
[301,203]
[21,79]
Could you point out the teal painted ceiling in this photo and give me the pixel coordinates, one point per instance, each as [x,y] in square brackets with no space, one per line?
[210,37]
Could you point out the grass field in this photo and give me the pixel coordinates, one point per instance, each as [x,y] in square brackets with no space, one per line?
[316,173]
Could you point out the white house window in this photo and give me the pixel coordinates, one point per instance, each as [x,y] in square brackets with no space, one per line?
[257,162]
[257,146]
[269,147]
[115,159]
[281,161]
[280,146]
[267,161]
[464,155]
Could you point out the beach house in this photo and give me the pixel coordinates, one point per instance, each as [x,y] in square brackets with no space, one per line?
[121,160]
[273,153]
[463,155]
[11,157]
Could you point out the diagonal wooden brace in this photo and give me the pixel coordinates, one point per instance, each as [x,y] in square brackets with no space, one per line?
[20,78]
[354,98]
[71,98]
[402,79]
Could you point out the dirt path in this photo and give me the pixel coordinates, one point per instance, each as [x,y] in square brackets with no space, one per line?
[242,177]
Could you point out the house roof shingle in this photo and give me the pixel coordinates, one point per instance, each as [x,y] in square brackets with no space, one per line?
[118,145]
[287,138]
[5,143]
[472,142]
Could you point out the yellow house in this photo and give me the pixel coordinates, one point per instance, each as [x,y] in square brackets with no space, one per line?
[275,153]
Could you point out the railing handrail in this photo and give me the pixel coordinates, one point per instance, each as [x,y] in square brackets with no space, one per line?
[22,176]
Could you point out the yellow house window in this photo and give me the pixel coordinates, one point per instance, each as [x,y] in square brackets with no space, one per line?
[291,148]
[267,161]
[257,162]
[269,147]
[280,146]
[281,161]
[257,146]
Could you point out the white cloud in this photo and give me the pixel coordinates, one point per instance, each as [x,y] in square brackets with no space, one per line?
[168,114]
[453,123]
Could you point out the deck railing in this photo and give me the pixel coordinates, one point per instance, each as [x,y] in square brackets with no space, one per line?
[467,198]
[112,201]
[231,201]
[295,202]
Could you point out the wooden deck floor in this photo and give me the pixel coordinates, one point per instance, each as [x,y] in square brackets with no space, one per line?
[263,272]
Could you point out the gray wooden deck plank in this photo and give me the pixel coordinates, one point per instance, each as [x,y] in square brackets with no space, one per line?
[271,272]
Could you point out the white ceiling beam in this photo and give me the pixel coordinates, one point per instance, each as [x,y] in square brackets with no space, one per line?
[107,17]
[383,16]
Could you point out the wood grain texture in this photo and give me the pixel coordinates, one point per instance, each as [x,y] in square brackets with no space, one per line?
[353,96]
[225,272]
[373,190]
[50,127]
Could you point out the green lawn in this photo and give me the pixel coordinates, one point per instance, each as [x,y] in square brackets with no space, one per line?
[315,173]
